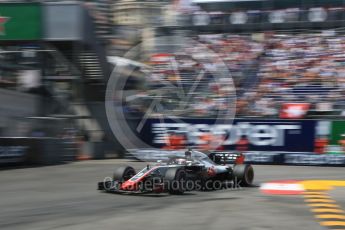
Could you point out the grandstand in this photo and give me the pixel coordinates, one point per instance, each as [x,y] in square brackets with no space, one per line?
[279,52]
[270,69]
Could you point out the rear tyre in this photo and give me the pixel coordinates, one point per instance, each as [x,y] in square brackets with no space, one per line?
[123,173]
[175,179]
[244,174]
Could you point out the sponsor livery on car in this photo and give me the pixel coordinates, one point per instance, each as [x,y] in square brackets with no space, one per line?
[193,171]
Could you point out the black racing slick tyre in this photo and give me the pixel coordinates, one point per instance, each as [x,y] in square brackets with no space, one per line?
[174,181]
[244,174]
[123,173]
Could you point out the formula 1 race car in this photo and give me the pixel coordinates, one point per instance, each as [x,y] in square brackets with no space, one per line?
[194,171]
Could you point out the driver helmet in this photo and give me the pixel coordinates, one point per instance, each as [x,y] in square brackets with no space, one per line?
[180,161]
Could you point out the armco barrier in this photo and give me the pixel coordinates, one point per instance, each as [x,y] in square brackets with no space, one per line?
[286,158]
[30,151]
[269,158]
[314,159]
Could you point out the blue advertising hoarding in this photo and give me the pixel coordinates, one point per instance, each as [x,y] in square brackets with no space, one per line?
[262,135]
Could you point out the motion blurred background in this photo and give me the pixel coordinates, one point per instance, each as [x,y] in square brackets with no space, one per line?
[285,57]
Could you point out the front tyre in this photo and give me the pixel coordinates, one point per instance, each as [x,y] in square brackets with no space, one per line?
[123,173]
[244,174]
[175,179]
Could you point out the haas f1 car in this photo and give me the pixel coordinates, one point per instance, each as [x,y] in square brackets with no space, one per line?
[194,171]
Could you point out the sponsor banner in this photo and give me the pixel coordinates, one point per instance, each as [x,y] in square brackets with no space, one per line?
[20,21]
[13,154]
[338,133]
[29,151]
[15,150]
[259,135]
[264,158]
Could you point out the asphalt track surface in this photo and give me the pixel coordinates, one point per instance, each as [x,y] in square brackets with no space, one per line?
[65,197]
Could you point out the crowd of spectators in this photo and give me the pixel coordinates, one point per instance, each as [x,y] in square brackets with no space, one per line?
[268,69]
[298,68]
[189,82]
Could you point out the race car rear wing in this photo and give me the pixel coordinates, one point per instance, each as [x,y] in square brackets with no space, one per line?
[227,157]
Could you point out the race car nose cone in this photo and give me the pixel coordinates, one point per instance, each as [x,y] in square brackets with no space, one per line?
[128,186]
